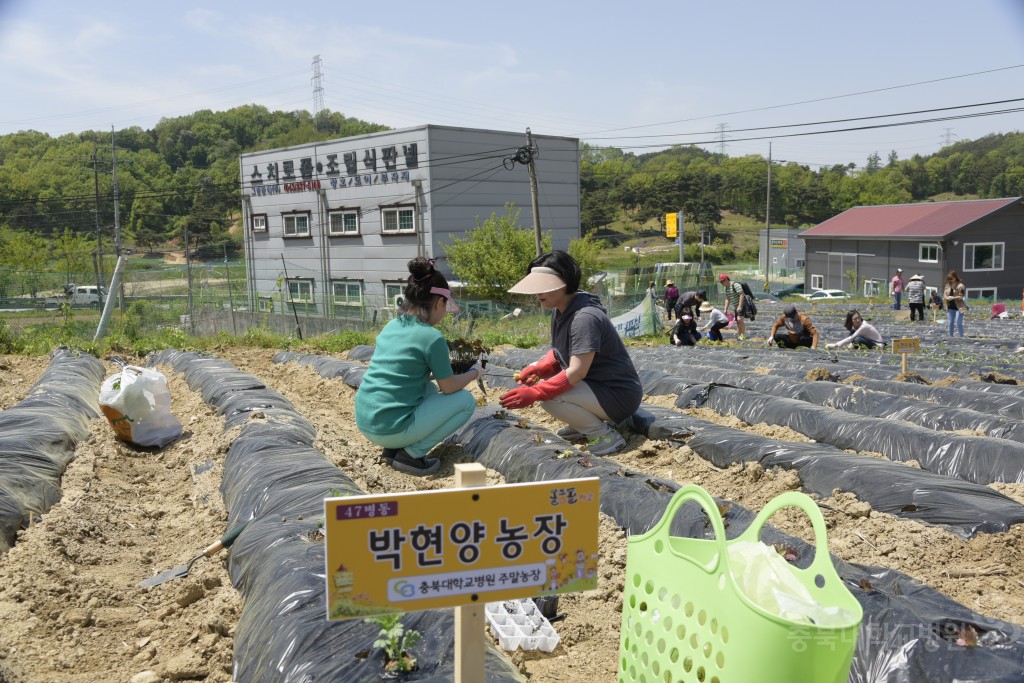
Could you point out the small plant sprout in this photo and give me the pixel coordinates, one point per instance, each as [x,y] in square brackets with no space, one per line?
[396,642]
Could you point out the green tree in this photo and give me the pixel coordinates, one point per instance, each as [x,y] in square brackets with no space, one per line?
[587,252]
[874,163]
[494,255]
[73,253]
[27,254]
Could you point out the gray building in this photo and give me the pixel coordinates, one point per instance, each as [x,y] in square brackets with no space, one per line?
[330,226]
[983,240]
[783,256]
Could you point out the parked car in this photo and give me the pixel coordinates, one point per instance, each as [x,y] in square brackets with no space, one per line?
[78,295]
[826,294]
[792,290]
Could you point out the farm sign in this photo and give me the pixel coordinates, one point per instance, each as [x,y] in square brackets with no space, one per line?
[906,345]
[401,552]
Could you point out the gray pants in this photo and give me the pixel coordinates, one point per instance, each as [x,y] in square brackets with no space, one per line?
[579,409]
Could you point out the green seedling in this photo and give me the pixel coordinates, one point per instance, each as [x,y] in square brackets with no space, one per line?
[396,642]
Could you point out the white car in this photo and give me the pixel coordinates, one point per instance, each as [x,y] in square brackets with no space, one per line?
[826,294]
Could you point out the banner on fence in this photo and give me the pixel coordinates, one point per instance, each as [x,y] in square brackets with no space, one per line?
[644,319]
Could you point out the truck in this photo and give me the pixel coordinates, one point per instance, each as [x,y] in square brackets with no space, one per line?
[79,295]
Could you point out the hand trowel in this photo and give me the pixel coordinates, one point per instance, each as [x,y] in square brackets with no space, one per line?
[178,572]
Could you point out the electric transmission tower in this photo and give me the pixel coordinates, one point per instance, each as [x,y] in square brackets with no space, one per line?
[721,138]
[948,136]
[318,91]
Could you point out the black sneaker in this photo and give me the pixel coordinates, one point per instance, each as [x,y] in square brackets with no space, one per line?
[388,454]
[417,467]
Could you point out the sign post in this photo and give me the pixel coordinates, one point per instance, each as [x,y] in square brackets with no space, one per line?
[905,346]
[469,619]
[461,547]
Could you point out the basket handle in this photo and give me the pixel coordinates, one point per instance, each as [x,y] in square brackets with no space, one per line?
[822,561]
[664,525]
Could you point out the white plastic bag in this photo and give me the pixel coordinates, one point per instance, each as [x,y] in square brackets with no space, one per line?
[137,404]
[767,579]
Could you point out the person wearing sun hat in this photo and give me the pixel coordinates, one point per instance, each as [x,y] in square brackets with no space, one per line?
[716,321]
[671,296]
[587,379]
[915,297]
[398,407]
[793,329]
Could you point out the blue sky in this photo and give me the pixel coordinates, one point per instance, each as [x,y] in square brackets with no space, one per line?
[674,71]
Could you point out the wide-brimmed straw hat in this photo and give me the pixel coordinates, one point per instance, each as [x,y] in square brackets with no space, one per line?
[540,280]
[706,307]
[669,282]
[916,277]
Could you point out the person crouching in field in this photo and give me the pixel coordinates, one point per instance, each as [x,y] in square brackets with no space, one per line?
[796,330]
[685,332]
[398,407]
[716,321]
[587,379]
[862,335]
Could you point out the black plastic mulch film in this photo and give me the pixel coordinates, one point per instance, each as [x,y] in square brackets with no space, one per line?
[274,476]
[38,437]
[907,626]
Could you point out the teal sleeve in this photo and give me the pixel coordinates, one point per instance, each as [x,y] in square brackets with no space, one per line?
[438,360]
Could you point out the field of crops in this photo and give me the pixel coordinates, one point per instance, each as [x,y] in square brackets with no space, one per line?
[919,476]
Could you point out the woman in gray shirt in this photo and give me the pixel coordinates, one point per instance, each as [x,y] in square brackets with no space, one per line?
[587,379]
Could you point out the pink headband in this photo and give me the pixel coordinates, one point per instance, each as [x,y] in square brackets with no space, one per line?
[450,304]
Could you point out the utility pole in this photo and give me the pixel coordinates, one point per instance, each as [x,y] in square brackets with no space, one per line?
[533,192]
[117,216]
[97,262]
[768,225]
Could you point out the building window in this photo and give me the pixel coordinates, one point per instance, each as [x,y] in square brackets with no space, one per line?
[799,263]
[259,222]
[928,253]
[343,223]
[873,287]
[982,293]
[265,304]
[398,220]
[296,224]
[983,256]
[300,291]
[347,293]
[817,282]
[392,293]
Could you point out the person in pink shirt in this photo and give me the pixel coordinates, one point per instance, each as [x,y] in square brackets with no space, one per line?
[896,285]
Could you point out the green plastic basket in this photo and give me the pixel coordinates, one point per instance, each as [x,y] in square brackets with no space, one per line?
[685,620]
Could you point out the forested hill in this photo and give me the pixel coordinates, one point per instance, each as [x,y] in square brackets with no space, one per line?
[703,183]
[184,174]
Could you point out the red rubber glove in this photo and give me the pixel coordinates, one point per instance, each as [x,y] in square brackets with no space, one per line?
[524,397]
[546,367]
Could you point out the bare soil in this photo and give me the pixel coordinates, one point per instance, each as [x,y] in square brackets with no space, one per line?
[71,608]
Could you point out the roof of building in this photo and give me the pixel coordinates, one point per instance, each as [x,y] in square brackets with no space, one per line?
[928,219]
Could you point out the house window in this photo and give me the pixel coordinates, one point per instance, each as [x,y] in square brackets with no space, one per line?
[259,222]
[300,291]
[265,304]
[392,292]
[398,220]
[343,223]
[981,293]
[873,287]
[983,256]
[347,293]
[296,224]
[817,282]
[928,253]
[799,263]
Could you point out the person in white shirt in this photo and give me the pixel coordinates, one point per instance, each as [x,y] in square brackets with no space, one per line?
[862,335]
[716,321]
